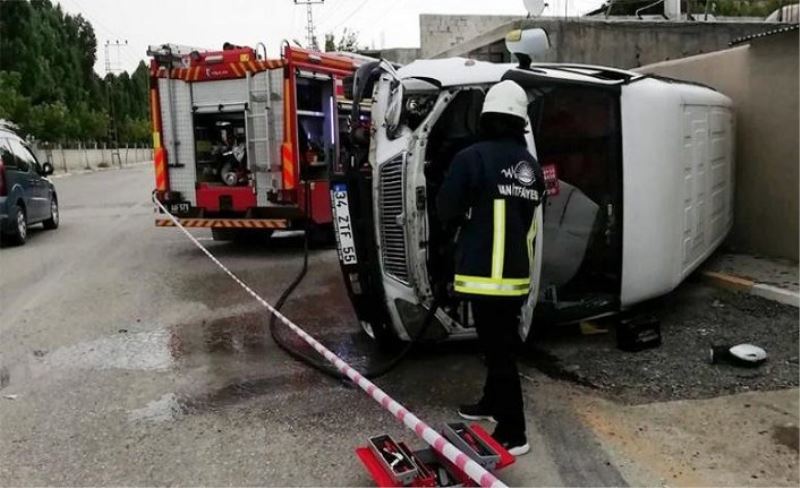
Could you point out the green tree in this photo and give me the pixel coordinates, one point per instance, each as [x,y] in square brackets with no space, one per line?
[13,105]
[49,122]
[47,81]
[330,43]
[348,42]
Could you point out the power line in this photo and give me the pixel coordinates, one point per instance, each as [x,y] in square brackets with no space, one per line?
[109,33]
[332,10]
[352,13]
[311,40]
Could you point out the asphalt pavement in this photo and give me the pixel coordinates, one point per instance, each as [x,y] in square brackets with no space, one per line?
[128,358]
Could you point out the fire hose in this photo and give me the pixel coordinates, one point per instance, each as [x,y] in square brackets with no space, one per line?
[441,445]
[372,373]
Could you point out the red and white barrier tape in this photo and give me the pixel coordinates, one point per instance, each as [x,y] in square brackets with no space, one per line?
[474,470]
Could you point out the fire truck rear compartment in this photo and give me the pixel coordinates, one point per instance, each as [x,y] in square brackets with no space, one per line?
[577,132]
[215,135]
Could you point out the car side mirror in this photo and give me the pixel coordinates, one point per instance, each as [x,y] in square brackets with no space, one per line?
[47,169]
[527,44]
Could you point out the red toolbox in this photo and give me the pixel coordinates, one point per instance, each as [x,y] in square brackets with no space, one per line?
[428,467]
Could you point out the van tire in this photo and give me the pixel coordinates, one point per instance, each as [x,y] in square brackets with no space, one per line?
[53,221]
[382,336]
[17,226]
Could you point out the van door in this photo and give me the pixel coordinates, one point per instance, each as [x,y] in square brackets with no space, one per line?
[578,136]
[34,187]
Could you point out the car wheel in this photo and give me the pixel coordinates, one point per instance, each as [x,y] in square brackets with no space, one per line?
[52,222]
[381,335]
[18,226]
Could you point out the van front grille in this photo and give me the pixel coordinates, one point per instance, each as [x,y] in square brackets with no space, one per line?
[393,239]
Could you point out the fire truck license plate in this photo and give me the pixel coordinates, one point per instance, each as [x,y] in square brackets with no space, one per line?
[179,208]
[344,229]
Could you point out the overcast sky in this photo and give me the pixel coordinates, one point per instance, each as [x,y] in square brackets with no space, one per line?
[207,23]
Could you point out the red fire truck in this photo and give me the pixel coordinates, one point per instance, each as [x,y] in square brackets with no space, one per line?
[243,142]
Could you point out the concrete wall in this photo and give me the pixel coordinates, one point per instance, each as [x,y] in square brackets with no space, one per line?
[762,79]
[439,32]
[622,43]
[402,55]
[70,160]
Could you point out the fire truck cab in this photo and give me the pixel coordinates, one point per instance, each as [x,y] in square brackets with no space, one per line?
[243,142]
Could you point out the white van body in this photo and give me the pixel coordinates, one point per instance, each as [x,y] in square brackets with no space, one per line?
[643,194]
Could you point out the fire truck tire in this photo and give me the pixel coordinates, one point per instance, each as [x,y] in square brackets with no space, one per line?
[242,236]
[223,234]
[253,236]
[322,236]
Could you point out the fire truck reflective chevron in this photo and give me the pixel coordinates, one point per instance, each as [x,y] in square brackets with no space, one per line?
[226,223]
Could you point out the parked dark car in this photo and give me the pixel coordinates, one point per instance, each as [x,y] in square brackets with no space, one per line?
[27,197]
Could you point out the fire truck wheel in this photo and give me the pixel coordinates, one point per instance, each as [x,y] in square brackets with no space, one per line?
[252,236]
[321,236]
[223,234]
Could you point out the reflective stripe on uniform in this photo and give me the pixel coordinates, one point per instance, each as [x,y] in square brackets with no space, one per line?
[478,285]
[531,236]
[499,238]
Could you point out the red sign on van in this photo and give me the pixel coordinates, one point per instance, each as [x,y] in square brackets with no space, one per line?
[550,179]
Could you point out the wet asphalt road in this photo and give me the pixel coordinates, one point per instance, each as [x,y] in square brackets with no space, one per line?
[128,358]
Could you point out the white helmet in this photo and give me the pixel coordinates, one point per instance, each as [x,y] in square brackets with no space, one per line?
[508,98]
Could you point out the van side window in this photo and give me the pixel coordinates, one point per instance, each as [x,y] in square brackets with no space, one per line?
[9,160]
[25,159]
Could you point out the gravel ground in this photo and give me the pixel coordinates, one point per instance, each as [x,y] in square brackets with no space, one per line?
[693,318]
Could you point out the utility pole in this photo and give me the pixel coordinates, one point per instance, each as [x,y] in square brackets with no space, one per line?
[311,39]
[111,69]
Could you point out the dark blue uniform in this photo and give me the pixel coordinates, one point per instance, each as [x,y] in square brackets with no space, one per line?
[496,185]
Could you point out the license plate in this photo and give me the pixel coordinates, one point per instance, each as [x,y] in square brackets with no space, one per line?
[179,208]
[343,225]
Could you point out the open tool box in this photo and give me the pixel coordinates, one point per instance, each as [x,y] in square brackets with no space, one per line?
[392,463]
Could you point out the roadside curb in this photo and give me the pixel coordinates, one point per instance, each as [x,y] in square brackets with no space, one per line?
[97,170]
[763,290]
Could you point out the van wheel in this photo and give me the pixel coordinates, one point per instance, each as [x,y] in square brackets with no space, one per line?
[52,222]
[18,226]
[381,335]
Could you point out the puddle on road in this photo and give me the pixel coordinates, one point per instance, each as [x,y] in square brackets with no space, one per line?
[164,409]
[787,435]
[172,406]
[144,351]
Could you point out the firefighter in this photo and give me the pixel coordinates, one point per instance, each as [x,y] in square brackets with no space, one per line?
[493,188]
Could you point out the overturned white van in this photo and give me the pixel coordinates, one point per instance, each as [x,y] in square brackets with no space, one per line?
[640,188]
